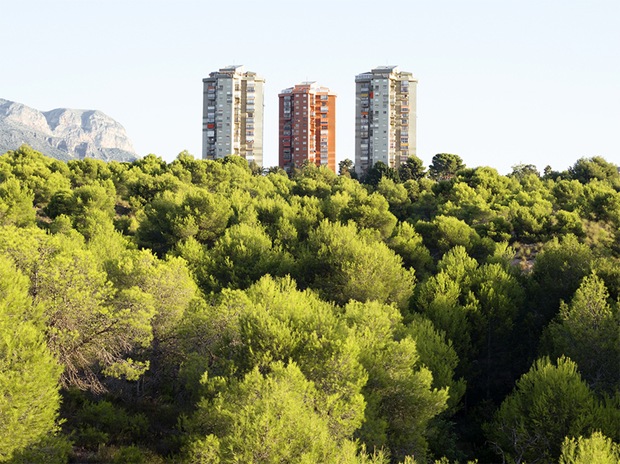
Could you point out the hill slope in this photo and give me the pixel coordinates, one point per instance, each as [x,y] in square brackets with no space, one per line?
[64,133]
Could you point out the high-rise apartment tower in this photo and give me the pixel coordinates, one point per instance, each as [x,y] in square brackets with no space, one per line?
[307,126]
[385,117]
[232,116]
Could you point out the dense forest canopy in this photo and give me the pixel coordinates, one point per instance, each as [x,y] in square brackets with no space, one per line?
[208,312]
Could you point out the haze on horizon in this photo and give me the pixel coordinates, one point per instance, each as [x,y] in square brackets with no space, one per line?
[500,83]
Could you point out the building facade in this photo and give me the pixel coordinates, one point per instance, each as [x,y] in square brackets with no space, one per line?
[307,131]
[232,116]
[385,117]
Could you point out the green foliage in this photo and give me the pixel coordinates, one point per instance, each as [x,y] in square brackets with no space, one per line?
[444,166]
[397,197]
[29,398]
[477,307]
[467,204]
[344,265]
[90,326]
[529,216]
[36,173]
[588,331]
[522,170]
[346,168]
[88,206]
[413,169]
[401,400]
[446,232]
[597,448]
[443,300]
[172,218]
[438,355]
[408,244]
[15,204]
[266,418]
[277,322]
[550,402]
[370,212]
[51,449]
[140,279]
[103,423]
[242,256]
[568,194]
[601,202]
[557,273]
[587,169]
[378,171]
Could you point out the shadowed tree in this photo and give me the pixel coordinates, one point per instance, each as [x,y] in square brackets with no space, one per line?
[444,166]
[522,170]
[412,169]
[587,169]
[346,168]
[378,171]
[588,331]
[548,403]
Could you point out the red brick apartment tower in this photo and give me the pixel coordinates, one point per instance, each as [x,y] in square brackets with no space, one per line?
[307,126]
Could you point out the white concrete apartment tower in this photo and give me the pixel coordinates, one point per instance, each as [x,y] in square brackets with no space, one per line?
[385,117]
[232,116]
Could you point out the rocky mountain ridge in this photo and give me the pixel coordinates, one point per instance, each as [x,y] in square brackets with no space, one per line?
[64,133]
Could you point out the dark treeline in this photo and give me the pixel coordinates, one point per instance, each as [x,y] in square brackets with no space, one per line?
[207,312]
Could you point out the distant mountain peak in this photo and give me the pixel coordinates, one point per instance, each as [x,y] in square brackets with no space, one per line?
[64,133]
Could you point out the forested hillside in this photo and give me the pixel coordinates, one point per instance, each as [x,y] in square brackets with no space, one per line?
[206,312]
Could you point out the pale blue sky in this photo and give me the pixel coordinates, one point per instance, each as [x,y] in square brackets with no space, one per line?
[500,82]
